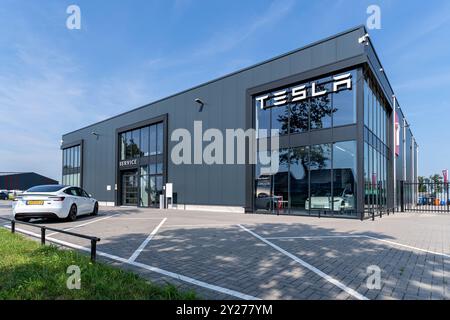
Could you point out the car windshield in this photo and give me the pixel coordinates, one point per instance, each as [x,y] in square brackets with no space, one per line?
[51,188]
[321,193]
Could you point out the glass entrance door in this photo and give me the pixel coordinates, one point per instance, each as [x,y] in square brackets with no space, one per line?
[130,188]
[151,184]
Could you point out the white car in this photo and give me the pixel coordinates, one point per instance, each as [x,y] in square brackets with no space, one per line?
[344,202]
[54,201]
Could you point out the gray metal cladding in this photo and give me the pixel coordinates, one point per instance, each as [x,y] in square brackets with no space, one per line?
[225,108]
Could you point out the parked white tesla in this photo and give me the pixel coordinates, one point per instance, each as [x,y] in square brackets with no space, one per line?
[322,200]
[54,201]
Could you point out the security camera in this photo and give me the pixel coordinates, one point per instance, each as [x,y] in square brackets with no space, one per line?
[364,39]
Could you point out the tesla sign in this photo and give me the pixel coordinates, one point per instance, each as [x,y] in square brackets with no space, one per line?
[300,93]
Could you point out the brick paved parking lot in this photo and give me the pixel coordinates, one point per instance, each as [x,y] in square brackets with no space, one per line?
[231,255]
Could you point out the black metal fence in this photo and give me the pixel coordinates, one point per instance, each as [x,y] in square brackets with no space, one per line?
[425,197]
[43,229]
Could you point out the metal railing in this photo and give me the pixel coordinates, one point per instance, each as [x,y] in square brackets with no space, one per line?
[44,229]
[425,197]
[379,212]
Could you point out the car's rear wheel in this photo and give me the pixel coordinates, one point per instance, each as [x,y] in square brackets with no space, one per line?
[95,212]
[72,213]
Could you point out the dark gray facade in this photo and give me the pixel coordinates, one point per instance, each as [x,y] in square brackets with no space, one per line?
[230,104]
[23,180]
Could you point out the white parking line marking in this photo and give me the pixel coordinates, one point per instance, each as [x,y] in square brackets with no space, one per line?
[410,247]
[363,236]
[308,266]
[197,225]
[170,274]
[146,241]
[125,218]
[314,237]
[85,224]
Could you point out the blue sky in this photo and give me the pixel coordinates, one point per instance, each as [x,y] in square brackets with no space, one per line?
[128,53]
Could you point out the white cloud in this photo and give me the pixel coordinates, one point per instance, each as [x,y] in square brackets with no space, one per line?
[420,28]
[226,40]
[427,81]
[44,94]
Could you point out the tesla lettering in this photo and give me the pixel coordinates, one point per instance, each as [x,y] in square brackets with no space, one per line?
[344,80]
[300,93]
[280,98]
[314,93]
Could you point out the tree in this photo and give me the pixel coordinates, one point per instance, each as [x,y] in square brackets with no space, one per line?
[437,182]
[422,184]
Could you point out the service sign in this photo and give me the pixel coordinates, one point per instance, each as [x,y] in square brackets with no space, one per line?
[128,163]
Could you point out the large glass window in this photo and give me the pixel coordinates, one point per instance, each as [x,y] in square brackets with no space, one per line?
[344,176]
[375,149]
[71,172]
[130,188]
[344,104]
[280,119]
[135,142]
[307,106]
[366,176]
[144,187]
[281,182]
[299,121]
[310,179]
[142,142]
[151,185]
[262,120]
[366,103]
[156,188]
[145,141]
[372,112]
[263,185]
[129,145]
[321,108]
[299,179]
[123,146]
[320,175]
[375,171]
[153,140]
[375,114]
[160,138]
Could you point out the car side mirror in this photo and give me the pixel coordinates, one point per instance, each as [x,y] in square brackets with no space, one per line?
[90,195]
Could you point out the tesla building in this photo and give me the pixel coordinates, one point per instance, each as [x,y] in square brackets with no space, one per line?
[344,143]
